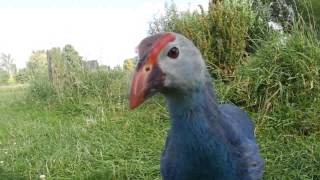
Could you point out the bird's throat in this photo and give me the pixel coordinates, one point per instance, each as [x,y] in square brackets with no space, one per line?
[196,132]
[188,108]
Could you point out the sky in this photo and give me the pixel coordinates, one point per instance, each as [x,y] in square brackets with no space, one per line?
[107,31]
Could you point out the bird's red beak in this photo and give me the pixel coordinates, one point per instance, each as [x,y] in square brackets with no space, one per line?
[147,80]
[148,77]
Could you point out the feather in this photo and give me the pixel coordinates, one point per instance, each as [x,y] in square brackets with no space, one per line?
[207,140]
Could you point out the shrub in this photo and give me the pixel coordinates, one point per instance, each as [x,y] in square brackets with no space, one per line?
[23,76]
[221,33]
[285,70]
[40,89]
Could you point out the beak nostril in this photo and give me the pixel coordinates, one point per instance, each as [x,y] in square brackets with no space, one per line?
[147,69]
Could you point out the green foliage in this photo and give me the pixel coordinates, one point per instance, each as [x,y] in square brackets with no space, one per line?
[129,64]
[40,139]
[221,33]
[37,62]
[40,89]
[309,10]
[278,82]
[37,75]
[36,69]
[11,80]
[23,76]
[70,56]
[64,83]
[113,142]
[76,124]
[285,70]
[4,76]
[76,89]
[6,63]
[229,23]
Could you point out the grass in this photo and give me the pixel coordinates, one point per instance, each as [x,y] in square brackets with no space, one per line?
[80,127]
[36,139]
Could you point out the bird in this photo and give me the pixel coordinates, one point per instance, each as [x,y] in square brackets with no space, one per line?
[206,140]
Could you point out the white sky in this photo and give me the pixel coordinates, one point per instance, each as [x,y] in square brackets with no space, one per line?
[108,32]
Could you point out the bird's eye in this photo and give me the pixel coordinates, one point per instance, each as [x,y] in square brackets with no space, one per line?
[173,53]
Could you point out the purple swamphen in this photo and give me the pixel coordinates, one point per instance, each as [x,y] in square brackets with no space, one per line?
[206,140]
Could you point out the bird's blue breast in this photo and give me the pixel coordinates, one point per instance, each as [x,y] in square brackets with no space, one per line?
[192,149]
[208,141]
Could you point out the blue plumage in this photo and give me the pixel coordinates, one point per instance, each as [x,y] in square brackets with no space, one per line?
[206,140]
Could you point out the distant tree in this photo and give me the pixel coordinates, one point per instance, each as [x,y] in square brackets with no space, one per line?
[37,62]
[4,76]
[164,22]
[129,64]
[55,53]
[6,62]
[105,67]
[117,68]
[70,56]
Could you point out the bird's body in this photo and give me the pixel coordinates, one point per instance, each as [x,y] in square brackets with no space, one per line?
[206,140]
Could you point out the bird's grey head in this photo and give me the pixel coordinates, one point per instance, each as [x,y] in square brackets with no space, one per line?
[166,61]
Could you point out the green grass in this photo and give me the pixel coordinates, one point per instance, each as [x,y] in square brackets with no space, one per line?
[80,127]
[36,140]
[39,139]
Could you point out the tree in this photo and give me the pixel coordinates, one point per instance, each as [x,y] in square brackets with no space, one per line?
[4,76]
[70,56]
[129,64]
[164,22]
[37,62]
[6,62]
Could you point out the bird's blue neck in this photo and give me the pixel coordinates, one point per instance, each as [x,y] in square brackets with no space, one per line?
[193,106]
[195,113]
[197,132]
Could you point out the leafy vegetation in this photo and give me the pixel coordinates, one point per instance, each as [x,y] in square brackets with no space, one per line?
[285,71]
[74,123]
[7,69]
[220,32]
[4,76]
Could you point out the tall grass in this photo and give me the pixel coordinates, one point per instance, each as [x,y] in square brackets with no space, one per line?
[274,76]
[285,70]
[74,88]
[222,33]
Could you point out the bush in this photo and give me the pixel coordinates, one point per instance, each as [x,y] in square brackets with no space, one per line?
[221,33]
[23,76]
[284,71]
[40,89]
